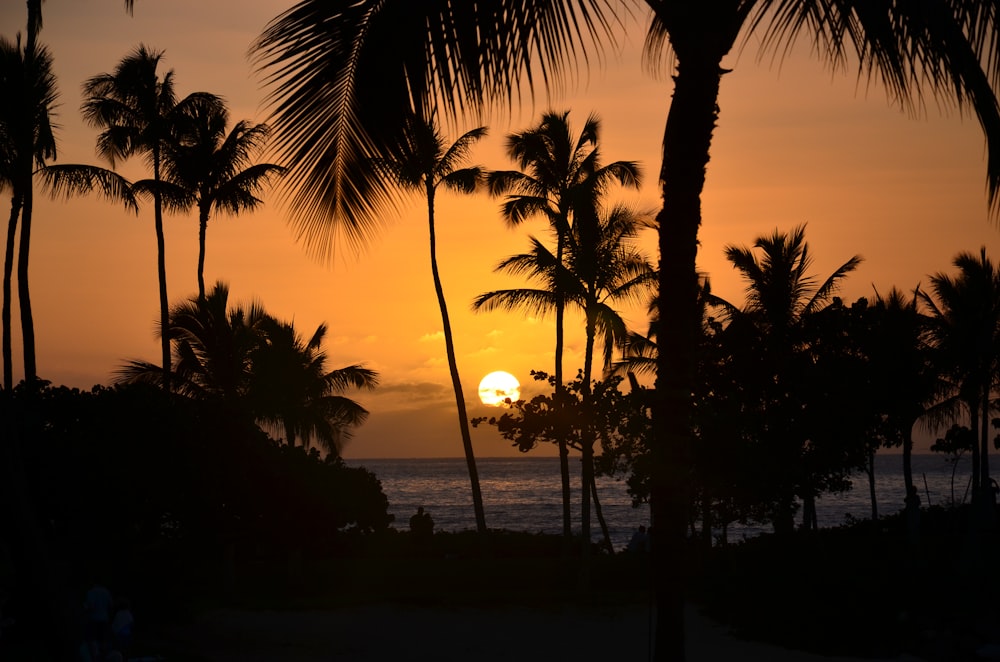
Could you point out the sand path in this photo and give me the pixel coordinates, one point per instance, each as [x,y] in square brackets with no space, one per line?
[419,634]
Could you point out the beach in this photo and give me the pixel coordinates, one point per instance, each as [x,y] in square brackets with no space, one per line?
[461,634]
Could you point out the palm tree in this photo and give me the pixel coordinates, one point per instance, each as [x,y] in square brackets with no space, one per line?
[558,174]
[334,112]
[904,376]
[258,368]
[422,163]
[965,331]
[215,169]
[781,296]
[138,113]
[602,267]
[292,389]
[29,96]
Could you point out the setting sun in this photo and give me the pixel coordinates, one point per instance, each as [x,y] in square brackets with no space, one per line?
[497,387]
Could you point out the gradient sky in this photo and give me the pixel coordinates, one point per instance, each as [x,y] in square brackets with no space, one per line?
[796,144]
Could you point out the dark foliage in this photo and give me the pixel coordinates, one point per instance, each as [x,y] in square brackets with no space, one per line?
[155,492]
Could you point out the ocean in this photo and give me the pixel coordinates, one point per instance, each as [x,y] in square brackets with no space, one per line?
[522,494]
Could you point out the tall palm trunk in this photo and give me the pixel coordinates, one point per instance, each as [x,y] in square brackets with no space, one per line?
[908,459]
[161,271]
[560,391]
[984,432]
[23,293]
[686,141]
[203,211]
[463,418]
[8,271]
[587,444]
[973,404]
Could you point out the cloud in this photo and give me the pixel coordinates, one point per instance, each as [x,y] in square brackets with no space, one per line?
[432,337]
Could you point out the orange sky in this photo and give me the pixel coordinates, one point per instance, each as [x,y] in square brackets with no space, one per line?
[794,145]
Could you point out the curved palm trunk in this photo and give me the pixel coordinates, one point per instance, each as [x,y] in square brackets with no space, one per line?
[908,460]
[202,230]
[560,388]
[984,431]
[8,271]
[976,451]
[161,273]
[686,141]
[599,513]
[23,293]
[463,418]
[587,446]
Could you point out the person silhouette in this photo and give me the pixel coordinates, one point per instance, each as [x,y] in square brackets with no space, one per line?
[97,625]
[421,527]
[639,541]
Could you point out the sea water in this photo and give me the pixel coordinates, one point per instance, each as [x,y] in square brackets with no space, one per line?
[523,494]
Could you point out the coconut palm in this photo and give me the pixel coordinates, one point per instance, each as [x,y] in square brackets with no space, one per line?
[904,376]
[29,88]
[138,111]
[339,91]
[422,163]
[291,388]
[781,296]
[965,332]
[260,368]
[602,268]
[558,174]
[216,169]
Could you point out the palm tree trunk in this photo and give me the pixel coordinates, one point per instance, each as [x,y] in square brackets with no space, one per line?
[8,271]
[686,141]
[605,533]
[908,459]
[976,453]
[567,516]
[984,432]
[23,293]
[161,273]
[463,418]
[871,485]
[202,230]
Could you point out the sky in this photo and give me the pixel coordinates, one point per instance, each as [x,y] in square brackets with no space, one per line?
[796,144]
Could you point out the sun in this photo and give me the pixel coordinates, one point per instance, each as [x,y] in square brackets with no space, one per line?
[497,387]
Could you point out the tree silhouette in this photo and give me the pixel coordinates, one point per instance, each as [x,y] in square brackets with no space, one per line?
[602,267]
[772,328]
[422,163]
[260,369]
[332,113]
[29,90]
[292,388]
[558,174]
[215,169]
[965,331]
[138,113]
[904,377]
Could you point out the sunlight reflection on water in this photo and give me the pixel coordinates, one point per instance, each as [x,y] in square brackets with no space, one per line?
[522,494]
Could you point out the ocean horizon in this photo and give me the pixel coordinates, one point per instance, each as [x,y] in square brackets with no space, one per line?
[523,494]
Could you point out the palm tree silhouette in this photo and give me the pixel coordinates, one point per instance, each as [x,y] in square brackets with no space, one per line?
[781,296]
[965,331]
[259,368]
[905,378]
[602,267]
[558,174]
[215,169]
[292,388]
[423,162]
[138,112]
[332,113]
[29,88]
